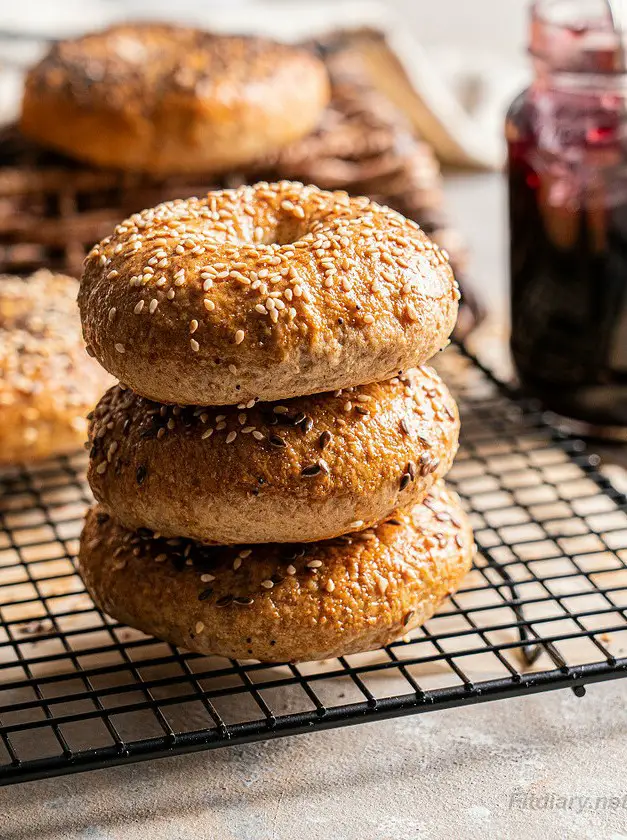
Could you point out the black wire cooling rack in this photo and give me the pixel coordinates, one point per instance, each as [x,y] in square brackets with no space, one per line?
[544,608]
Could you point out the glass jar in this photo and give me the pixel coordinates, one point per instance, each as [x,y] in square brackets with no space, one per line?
[567,171]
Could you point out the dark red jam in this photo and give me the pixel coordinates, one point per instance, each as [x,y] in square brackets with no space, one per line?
[567,170]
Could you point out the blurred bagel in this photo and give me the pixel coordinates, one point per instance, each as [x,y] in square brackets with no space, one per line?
[165,99]
[48,383]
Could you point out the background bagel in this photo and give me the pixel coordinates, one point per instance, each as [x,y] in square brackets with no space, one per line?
[278,603]
[309,469]
[47,381]
[166,99]
[268,291]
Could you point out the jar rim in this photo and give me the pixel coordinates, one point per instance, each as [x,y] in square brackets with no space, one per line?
[577,36]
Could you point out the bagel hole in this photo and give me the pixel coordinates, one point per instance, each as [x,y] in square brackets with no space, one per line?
[287,230]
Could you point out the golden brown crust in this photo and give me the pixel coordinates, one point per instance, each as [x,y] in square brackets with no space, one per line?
[167,99]
[47,381]
[267,291]
[275,602]
[309,469]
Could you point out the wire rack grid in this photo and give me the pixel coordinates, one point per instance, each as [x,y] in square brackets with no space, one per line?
[543,608]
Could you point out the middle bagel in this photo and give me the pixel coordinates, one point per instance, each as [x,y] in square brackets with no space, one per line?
[307,469]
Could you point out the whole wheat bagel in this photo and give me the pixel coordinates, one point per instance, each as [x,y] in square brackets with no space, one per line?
[166,99]
[277,602]
[264,292]
[309,469]
[47,381]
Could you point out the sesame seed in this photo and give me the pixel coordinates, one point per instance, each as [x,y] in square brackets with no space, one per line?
[257,435]
[193,325]
[291,570]
[244,600]
[160,558]
[206,434]
[224,601]
[120,348]
[207,578]
[194,345]
[239,336]
[199,627]
[209,305]
[314,564]
[311,470]
[154,303]
[101,468]
[231,437]
[329,585]
[170,294]
[325,439]
[267,584]
[368,318]
[237,563]
[138,307]
[111,314]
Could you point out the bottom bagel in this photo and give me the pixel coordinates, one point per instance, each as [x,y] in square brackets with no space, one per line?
[281,602]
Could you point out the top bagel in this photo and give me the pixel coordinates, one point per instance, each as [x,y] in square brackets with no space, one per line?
[166,99]
[265,292]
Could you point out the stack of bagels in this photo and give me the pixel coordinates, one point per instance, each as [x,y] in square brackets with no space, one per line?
[268,473]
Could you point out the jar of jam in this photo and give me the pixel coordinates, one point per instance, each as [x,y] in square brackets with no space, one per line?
[567,171]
